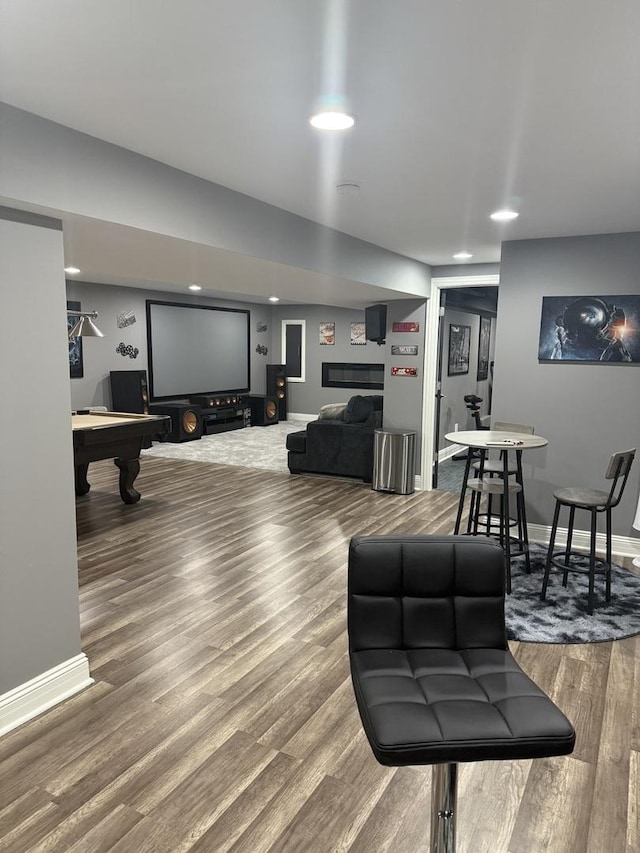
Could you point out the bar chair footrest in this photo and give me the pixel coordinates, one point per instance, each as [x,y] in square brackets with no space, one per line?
[601,567]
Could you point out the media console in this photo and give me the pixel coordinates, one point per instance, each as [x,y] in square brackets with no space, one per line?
[222,412]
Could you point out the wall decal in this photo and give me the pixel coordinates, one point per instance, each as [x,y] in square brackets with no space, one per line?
[358,334]
[327,333]
[127,318]
[261,327]
[404,371]
[404,350]
[127,350]
[405,327]
[261,350]
[590,328]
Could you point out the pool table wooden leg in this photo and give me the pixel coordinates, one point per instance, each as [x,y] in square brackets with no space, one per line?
[82,484]
[129,470]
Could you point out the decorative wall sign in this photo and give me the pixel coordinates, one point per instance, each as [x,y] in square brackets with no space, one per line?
[404,371]
[127,350]
[459,347]
[127,318]
[484,338]
[404,350]
[358,334]
[405,327]
[261,326]
[327,334]
[261,350]
[590,328]
[76,365]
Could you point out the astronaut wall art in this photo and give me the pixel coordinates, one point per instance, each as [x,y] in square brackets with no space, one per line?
[590,329]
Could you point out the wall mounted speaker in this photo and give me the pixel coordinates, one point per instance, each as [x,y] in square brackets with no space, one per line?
[375,323]
[129,392]
[264,409]
[277,387]
[186,420]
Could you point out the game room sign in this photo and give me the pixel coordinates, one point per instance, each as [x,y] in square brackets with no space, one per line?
[404,371]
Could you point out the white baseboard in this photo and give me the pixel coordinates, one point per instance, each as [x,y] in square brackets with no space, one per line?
[26,701]
[448,452]
[622,546]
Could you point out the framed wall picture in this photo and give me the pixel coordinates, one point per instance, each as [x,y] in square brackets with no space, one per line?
[459,349]
[590,329]
[484,339]
[76,364]
[358,334]
[327,334]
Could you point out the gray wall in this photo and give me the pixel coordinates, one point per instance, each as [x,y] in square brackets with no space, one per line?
[39,619]
[100,356]
[586,411]
[43,163]
[453,409]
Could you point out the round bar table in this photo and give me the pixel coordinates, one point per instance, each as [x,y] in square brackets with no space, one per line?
[484,440]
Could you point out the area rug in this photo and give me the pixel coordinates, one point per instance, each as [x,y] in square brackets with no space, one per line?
[261,447]
[563,617]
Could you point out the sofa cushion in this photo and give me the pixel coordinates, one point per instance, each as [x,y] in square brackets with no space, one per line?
[358,409]
[332,412]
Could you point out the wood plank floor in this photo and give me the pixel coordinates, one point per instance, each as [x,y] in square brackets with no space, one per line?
[222,718]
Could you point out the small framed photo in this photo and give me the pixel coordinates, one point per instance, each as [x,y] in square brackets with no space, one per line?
[459,348]
[358,334]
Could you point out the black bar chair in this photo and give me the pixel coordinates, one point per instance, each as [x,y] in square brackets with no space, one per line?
[434,680]
[593,501]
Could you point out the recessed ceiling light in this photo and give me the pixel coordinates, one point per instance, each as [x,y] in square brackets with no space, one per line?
[505,215]
[332,120]
[462,256]
[72,270]
[194,287]
[348,188]
[274,299]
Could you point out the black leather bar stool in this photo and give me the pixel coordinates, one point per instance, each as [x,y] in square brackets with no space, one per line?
[593,501]
[433,676]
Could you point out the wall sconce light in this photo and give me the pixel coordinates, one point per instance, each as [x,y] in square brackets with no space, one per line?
[85,327]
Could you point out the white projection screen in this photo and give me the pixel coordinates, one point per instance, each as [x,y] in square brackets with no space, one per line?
[196,349]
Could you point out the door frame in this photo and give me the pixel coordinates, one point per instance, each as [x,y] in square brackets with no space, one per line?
[438,283]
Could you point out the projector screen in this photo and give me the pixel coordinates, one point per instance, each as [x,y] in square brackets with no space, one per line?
[195,349]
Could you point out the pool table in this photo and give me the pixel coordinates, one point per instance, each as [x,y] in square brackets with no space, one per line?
[117,436]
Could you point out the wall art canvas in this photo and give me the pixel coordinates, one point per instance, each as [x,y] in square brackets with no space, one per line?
[484,339]
[358,334]
[590,329]
[459,349]
[76,364]
[327,334]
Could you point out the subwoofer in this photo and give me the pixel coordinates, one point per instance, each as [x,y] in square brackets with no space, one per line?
[129,392]
[186,420]
[264,409]
[277,387]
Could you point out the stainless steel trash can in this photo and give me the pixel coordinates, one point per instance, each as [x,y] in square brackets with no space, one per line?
[394,461]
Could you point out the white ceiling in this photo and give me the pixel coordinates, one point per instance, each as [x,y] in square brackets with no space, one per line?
[462,106]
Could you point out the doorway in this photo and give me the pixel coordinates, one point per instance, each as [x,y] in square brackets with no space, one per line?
[455,366]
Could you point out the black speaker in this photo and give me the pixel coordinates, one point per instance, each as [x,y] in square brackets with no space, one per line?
[186,420]
[129,391]
[375,323]
[264,409]
[277,387]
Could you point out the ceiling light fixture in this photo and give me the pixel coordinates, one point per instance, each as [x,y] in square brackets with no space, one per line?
[195,287]
[505,215]
[274,299]
[72,270]
[332,120]
[348,188]
[462,256]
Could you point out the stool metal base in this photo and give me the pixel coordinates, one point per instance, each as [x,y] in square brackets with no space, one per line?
[444,794]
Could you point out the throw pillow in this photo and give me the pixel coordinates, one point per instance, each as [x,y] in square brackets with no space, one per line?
[358,410]
[332,412]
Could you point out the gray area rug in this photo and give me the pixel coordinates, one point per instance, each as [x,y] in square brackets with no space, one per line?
[261,447]
[563,617]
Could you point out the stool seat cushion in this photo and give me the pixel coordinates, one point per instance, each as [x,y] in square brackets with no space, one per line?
[582,496]
[427,706]
[492,486]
